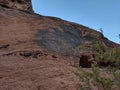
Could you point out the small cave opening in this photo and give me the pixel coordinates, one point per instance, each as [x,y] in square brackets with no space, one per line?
[84,62]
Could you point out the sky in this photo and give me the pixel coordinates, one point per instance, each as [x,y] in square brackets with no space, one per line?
[95,14]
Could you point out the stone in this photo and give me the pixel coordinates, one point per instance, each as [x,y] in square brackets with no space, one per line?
[25,5]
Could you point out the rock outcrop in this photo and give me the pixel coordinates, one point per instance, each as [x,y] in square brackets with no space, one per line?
[17,4]
[36,50]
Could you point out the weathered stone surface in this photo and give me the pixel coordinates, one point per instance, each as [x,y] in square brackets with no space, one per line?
[61,40]
[30,47]
[17,4]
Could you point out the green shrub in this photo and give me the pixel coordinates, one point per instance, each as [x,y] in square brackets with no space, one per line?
[85,77]
[116,75]
[106,55]
[106,83]
[112,57]
[82,47]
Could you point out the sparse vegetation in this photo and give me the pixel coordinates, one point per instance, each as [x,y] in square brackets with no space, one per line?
[103,55]
[106,57]
[99,49]
[84,77]
[112,57]
[116,74]
[83,47]
[93,78]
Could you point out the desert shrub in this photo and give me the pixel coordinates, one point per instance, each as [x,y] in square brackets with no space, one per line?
[95,77]
[103,55]
[90,36]
[105,82]
[116,74]
[84,77]
[96,73]
[106,56]
[99,49]
[83,47]
[117,78]
[112,57]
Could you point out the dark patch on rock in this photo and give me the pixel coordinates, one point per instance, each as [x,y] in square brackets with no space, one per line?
[4,6]
[71,30]
[1,77]
[26,54]
[85,62]
[61,40]
[107,64]
[4,46]
[34,54]
[54,56]
[89,37]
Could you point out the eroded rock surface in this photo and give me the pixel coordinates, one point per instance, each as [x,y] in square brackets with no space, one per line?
[17,4]
[39,52]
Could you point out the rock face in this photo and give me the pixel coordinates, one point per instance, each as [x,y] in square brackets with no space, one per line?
[36,50]
[17,4]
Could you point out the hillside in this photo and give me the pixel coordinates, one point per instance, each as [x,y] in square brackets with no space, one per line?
[41,52]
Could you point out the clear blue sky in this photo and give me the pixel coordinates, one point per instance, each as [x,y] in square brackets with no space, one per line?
[95,14]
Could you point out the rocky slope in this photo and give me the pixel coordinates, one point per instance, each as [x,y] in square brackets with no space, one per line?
[39,52]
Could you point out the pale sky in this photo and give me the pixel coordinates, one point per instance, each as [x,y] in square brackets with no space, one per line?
[95,14]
